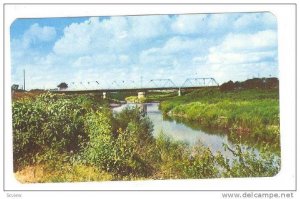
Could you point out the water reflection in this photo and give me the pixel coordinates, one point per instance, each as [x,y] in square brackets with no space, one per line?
[181,131]
[247,140]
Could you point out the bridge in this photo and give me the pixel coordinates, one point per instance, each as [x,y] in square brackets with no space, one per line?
[131,86]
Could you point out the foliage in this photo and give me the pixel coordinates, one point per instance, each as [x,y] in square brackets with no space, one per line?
[135,99]
[262,83]
[117,148]
[62,85]
[63,138]
[248,163]
[228,86]
[46,123]
[253,113]
[158,96]
[178,161]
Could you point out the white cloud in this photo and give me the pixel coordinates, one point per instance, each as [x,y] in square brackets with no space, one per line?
[21,46]
[224,46]
[255,21]
[262,40]
[77,38]
[188,24]
[115,34]
[36,33]
[175,47]
[144,27]
[219,21]
[240,56]
[199,60]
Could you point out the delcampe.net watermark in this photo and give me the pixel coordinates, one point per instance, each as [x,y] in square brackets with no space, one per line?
[266,195]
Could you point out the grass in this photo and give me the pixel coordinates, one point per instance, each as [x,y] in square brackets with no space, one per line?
[65,173]
[159,96]
[135,99]
[253,113]
[78,138]
[153,96]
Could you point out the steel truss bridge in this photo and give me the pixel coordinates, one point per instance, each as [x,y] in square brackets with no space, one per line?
[129,85]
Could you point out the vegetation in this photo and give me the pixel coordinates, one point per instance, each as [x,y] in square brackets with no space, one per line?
[153,96]
[61,138]
[261,83]
[159,96]
[62,86]
[135,99]
[253,113]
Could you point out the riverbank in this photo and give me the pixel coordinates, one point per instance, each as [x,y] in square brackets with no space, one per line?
[60,138]
[151,97]
[252,113]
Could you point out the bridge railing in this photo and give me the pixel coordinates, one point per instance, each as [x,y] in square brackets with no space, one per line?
[131,84]
[199,82]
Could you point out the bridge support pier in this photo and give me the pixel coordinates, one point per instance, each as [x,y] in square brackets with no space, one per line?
[104,95]
[179,92]
[141,95]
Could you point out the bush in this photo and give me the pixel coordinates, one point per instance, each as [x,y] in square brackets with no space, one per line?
[75,139]
[228,86]
[248,163]
[118,148]
[178,161]
[46,123]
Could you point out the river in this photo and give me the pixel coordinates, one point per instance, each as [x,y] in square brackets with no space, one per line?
[178,130]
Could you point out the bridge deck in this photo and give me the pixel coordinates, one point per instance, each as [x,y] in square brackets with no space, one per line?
[130,89]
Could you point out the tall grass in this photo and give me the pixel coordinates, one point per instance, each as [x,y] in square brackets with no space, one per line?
[66,139]
[252,112]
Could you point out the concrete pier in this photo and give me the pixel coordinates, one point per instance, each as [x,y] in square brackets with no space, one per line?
[179,92]
[141,95]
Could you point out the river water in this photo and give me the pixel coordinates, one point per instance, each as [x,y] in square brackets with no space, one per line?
[178,130]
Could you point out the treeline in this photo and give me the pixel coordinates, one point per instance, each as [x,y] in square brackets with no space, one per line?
[262,83]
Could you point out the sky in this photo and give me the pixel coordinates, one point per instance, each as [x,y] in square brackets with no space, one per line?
[129,51]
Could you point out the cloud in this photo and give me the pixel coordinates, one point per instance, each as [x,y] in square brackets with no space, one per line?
[243,55]
[262,40]
[255,22]
[225,46]
[190,24]
[36,34]
[144,27]
[23,48]
[116,34]
[77,38]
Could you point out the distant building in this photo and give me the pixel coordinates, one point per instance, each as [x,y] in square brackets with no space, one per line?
[53,89]
[15,87]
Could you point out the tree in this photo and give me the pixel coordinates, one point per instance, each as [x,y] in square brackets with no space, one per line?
[228,86]
[62,86]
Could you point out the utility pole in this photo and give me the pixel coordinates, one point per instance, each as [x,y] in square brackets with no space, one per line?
[141,81]
[24,78]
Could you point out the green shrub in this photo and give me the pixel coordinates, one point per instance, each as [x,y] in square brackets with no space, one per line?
[46,123]
[118,148]
[248,163]
[178,161]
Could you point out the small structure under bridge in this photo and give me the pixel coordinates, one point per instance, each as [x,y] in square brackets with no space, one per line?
[131,86]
